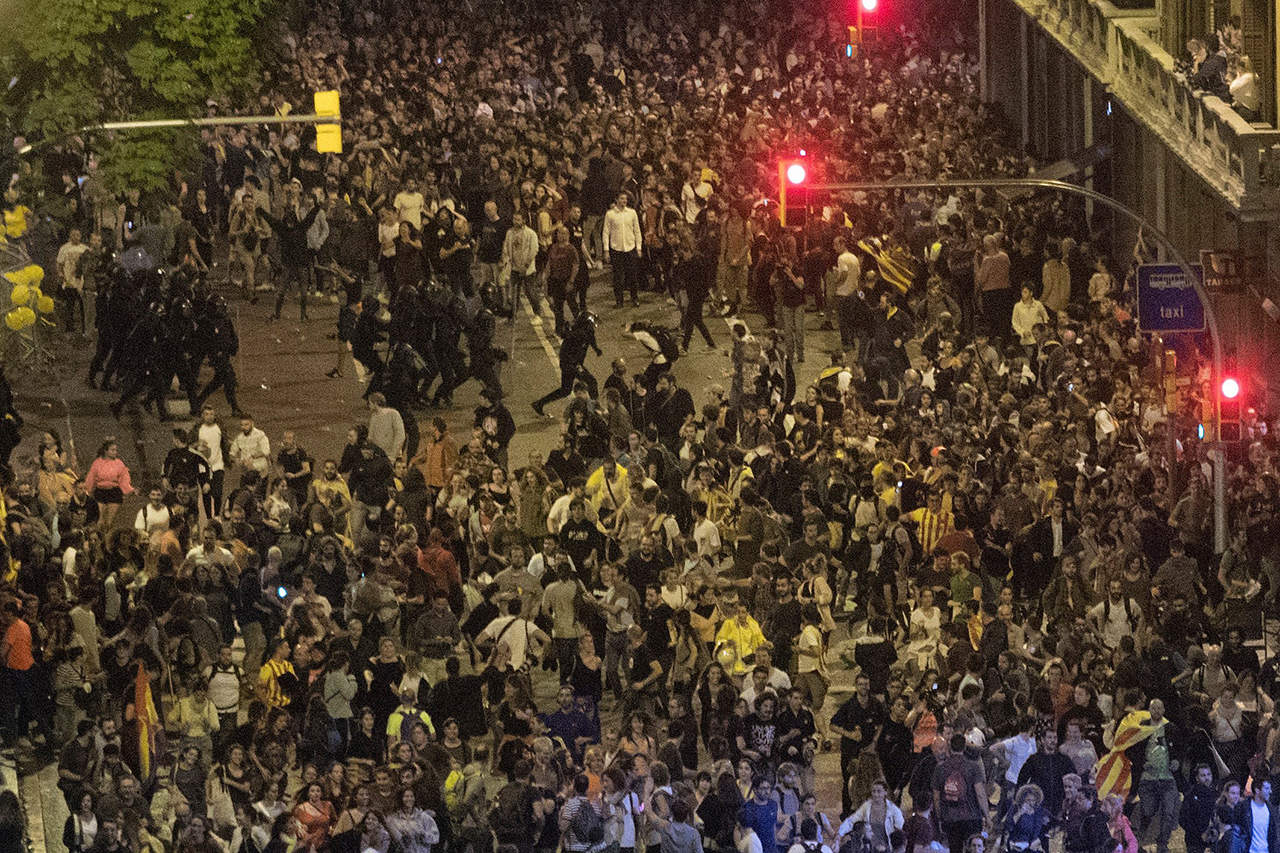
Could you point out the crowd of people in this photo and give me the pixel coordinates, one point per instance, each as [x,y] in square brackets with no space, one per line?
[972,513]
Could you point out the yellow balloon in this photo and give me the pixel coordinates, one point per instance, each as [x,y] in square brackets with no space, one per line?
[28,316]
[21,294]
[14,277]
[36,274]
[45,304]
[13,321]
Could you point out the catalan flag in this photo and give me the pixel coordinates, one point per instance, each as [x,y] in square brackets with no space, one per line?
[894,265]
[1114,771]
[9,570]
[148,722]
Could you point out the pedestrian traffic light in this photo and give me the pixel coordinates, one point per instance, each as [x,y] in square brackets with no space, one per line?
[796,173]
[855,39]
[328,135]
[1229,410]
[868,5]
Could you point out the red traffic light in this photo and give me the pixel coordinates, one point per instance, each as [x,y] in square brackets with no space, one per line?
[869,5]
[796,173]
[1230,389]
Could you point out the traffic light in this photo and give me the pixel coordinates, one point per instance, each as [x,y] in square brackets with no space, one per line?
[328,136]
[1229,410]
[793,172]
[866,11]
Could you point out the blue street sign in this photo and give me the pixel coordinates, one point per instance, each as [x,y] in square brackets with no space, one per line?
[1167,302]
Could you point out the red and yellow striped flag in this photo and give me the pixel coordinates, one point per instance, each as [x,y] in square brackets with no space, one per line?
[1114,771]
[148,721]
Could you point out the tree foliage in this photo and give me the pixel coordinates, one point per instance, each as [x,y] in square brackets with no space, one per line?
[75,63]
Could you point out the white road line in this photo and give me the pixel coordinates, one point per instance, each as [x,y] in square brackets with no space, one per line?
[552,355]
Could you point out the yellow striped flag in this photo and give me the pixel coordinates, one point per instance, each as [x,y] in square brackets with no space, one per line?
[1114,771]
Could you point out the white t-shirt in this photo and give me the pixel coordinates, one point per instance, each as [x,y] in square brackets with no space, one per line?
[409,206]
[68,260]
[1017,750]
[850,269]
[152,520]
[810,641]
[1261,827]
[707,537]
[516,637]
[211,434]
[1117,624]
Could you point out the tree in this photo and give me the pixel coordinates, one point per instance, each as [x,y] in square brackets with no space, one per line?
[75,63]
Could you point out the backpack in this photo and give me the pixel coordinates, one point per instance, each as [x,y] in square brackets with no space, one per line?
[509,815]
[453,793]
[587,825]
[953,787]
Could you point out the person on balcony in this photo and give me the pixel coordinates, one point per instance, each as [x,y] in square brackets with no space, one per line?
[1208,70]
[1244,88]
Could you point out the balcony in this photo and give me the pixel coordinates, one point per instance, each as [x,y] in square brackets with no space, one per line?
[1119,47]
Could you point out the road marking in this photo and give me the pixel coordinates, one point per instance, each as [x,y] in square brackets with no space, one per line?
[552,355]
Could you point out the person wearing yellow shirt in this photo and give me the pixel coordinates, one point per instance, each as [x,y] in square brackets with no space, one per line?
[17,216]
[742,633]
[608,489]
[932,521]
[405,713]
[277,677]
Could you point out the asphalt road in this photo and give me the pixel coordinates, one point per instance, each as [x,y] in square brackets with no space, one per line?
[281,370]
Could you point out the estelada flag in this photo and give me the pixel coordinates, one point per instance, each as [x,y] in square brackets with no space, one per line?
[1114,771]
[148,722]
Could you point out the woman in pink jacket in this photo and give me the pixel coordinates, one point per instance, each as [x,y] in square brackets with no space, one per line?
[108,482]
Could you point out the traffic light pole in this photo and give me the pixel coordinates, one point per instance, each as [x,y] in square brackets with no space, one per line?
[207,121]
[1211,320]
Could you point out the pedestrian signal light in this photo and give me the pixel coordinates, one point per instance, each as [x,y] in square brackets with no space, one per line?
[868,5]
[796,173]
[1229,428]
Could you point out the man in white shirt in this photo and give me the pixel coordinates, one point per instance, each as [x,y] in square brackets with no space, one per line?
[622,245]
[251,449]
[560,510]
[1262,830]
[1118,616]
[211,446]
[705,533]
[516,633]
[693,196]
[69,272]
[1017,749]
[520,256]
[153,518]
[849,270]
[409,204]
[386,426]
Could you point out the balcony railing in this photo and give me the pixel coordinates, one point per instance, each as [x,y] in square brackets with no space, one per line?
[1119,47]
